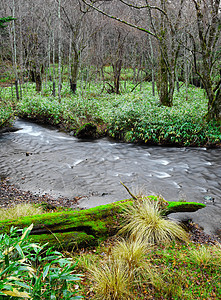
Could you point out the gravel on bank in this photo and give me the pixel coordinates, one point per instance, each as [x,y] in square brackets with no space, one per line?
[10,195]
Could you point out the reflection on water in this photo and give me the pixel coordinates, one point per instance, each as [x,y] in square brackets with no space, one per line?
[44,160]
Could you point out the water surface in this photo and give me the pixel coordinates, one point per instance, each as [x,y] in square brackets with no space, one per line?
[43,160]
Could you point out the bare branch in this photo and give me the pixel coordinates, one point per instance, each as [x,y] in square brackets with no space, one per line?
[119,20]
[134,197]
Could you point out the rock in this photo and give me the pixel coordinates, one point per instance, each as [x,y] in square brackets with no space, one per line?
[9,129]
[87,131]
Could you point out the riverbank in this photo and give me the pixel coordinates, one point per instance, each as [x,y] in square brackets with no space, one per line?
[11,196]
[135,117]
[179,268]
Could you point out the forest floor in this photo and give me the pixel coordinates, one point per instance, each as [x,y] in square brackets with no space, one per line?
[136,117]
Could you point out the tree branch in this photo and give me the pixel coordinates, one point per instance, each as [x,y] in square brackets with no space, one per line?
[119,20]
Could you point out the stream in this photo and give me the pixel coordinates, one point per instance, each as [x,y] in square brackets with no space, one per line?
[43,160]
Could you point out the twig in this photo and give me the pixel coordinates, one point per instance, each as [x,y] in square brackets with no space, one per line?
[134,197]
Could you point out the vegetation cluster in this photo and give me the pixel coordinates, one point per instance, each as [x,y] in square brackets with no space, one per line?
[32,271]
[150,258]
[154,260]
[132,116]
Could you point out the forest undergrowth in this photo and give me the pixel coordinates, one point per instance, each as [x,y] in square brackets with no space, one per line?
[131,116]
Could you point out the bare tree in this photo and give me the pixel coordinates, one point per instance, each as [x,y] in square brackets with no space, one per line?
[208,17]
[165,28]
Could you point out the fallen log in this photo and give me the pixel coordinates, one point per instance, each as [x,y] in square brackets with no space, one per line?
[80,228]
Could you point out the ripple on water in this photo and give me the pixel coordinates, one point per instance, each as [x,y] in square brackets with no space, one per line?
[73,166]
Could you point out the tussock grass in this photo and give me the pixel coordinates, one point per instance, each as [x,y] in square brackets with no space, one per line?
[206,256]
[133,254]
[111,281]
[169,285]
[144,220]
[131,251]
[19,211]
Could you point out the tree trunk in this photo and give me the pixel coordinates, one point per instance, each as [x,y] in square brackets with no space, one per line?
[38,81]
[117,66]
[53,61]
[117,71]
[214,106]
[208,40]
[163,83]
[74,71]
[59,50]
[15,52]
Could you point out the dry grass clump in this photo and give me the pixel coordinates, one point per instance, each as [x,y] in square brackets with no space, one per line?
[126,266]
[206,256]
[111,281]
[132,253]
[144,220]
[19,211]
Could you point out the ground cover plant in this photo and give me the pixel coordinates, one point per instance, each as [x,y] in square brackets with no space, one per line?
[132,116]
[6,113]
[28,270]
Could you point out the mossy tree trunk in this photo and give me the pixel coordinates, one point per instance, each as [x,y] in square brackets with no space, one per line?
[85,227]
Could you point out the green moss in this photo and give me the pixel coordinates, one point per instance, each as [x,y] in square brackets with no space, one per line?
[174,207]
[84,226]
[66,240]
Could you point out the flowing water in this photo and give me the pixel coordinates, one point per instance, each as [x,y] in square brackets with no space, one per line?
[43,160]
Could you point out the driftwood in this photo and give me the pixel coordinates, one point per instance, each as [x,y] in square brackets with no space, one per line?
[81,228]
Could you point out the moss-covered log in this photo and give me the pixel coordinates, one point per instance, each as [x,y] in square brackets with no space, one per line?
[84,227]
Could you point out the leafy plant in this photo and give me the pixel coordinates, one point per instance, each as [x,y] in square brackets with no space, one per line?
[27,272]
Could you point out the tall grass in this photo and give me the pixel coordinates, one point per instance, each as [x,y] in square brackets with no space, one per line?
[132,253]
[206,256]
[111,281]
